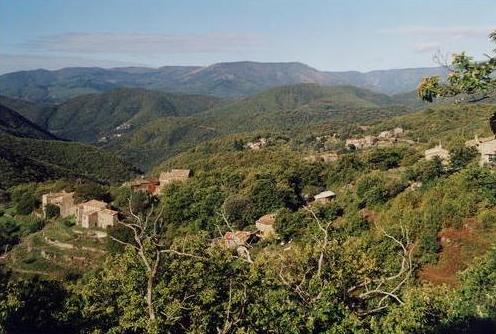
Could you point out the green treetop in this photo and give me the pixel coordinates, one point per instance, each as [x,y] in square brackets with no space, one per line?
[469,79]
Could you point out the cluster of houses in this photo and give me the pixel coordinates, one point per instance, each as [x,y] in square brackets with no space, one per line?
[90,214]
[98,214]
[265,228]
[485,146]
[154,186]
[384,138]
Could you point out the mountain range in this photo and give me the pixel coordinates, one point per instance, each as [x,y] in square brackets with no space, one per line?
[232,79]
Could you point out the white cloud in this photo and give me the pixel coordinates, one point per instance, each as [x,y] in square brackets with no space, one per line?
[451,32]
[138,43]
[428,47]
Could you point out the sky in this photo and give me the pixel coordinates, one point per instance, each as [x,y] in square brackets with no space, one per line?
[329,35]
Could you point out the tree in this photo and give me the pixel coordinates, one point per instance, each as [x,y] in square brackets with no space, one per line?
[52,211]
[148,230]
[88,191]
[468,80]
[27,203]
[460,156]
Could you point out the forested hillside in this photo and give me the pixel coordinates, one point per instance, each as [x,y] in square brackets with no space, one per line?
[90,117]
[29,153]
[32,160]
[288,109]
[13,123]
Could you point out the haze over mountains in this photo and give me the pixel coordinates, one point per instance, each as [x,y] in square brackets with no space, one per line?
[223,79]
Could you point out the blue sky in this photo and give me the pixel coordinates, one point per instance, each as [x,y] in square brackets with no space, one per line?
[326,34]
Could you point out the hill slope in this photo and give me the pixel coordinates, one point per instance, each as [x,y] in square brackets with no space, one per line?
[287,109]
[32,160]
[222,79]
[28,153]
[13,123]
[89,117]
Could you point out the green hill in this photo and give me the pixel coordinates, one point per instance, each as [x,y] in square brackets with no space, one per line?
[25,160]
[448,123]
[28,153]
[87,118]
[37,113]
[287,109]
[13,123]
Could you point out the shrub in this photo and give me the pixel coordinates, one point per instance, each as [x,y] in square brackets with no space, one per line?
[460,156]
[289,224]
[385,158]
[487,218]
[27,203]
[426,170]
[69,222]
[52,211]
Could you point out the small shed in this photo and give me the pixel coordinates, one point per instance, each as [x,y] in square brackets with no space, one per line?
[324,197]
[437,151]
[265,225]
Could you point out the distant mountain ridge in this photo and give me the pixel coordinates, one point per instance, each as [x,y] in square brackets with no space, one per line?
[232,79]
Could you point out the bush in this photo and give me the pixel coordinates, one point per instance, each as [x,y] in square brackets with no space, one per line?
[237,209]
[371,189]
[27,203]
[487,218]
[426,170]
[69,222]
[289,224]
[88,191]
[52,211]
[385,158]
[32,225]
[460,156]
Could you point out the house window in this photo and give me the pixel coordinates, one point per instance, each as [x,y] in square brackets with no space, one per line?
[491,158]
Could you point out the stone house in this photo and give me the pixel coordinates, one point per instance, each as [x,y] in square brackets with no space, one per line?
[437,151]
[265,225]
[488,152]
[95,214]
[360,143]
[324,197]
[258,144]
[174,175]
[144,185]
[235,239]
[486,147]
[324,157]
[64,200]
[398,132]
